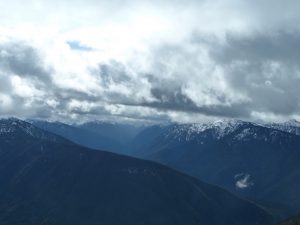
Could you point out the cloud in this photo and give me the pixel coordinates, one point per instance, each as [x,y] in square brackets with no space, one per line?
[30,89]
[276,46]
[264,67]
[158,60]
[23,60]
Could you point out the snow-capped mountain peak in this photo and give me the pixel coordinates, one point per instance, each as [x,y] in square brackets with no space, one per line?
[12,126]
[218,129]
[292,122]
[291,126]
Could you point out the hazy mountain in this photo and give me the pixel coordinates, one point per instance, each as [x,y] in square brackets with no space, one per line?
[248,159]
[84,137]
[140,145]
[112,137]
[45,178]
[121,133]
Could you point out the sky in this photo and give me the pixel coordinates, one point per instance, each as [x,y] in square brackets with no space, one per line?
[150,61]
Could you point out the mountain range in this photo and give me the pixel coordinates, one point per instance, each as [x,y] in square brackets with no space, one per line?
[251,160]
[95,135]
[255,161]
[47,179]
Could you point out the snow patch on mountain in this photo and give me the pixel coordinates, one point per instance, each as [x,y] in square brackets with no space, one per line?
[245,134]
[218,129]
[240,131]
[14,125]
[243,181]
[291,126]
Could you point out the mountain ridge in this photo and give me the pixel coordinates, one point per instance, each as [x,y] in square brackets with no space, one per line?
[248,159]
[63,183]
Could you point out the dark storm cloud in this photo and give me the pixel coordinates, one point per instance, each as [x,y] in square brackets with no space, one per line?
[113,72]
[257,47]
[169,96]
[265,67]
[23,60]
[234,111]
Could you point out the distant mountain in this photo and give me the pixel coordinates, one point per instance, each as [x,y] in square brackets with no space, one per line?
[292,126]
[248,159]
[121,133]
[84,137]
[47,179]
[97,135]
[141,144]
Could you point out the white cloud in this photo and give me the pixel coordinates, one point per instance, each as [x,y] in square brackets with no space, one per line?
[5,101]
[178,60]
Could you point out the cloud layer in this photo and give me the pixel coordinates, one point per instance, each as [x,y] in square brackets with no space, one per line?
[158,61]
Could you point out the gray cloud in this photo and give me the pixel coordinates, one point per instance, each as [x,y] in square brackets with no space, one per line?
[265,67]
[113,72]
[223,59]
[23,60]
[249,66]
[277,46]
